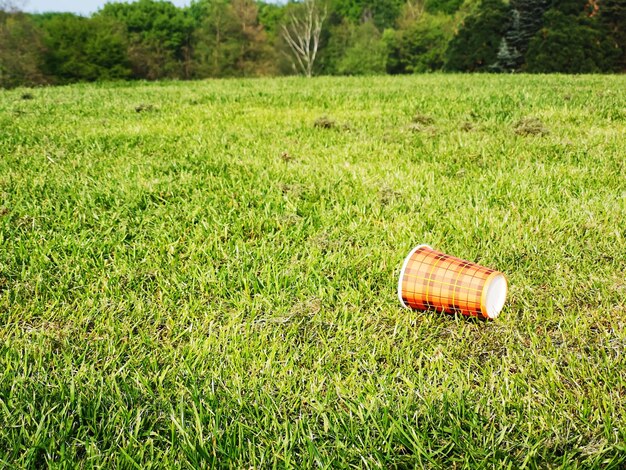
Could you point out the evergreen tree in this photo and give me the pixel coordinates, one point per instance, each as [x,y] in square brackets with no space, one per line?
[571,41]
[526,18]
[612,14]
[508,57]
[154,39]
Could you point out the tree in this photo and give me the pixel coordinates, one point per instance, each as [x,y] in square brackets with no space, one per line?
[475,46]
[159,36]
[443,6]
[254,53]
[229,40]
[418,46]
[335,40]
[21,49]
[509,57]
[412,12]
[571,43]
[8,6]
[302,31]
[217,40]
[365,53]
[352,49]
[526,18]
[382,12]
[270,17]
[84,49]
[612,14]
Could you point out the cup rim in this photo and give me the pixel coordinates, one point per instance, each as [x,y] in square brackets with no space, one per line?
[404,265]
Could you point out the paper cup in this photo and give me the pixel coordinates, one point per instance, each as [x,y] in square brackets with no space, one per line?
[432,280]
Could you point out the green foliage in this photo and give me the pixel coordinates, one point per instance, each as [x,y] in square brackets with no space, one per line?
[270,17]
[526,18]
[420,46]
[154,39]
[353,49]
[336,40]
[216,40]
[84,49]
[229,41]
[211,282]
[159,34]
[474,48]
[443,6]
[365,53]
[22,51]
[571,44]
[612,14]
[382,12]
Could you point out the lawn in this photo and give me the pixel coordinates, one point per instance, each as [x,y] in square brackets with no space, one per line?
[204,274]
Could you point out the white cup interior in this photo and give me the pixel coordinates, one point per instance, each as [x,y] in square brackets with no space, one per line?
[496,295]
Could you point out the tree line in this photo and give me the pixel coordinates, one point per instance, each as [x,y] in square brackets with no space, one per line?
[153,39]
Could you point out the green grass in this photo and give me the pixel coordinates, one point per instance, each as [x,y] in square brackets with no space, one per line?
[210,280]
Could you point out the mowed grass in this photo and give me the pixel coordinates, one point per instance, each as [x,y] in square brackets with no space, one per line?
[204,274]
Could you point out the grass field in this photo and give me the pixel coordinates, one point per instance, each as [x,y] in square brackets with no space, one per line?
[204,274]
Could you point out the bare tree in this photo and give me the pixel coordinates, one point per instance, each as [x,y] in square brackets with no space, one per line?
[302,33]
[11,6]
[412,11]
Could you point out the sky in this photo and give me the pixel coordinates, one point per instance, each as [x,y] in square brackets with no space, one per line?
[83,7]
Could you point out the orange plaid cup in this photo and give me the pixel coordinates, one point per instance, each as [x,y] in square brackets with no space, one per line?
[432,280]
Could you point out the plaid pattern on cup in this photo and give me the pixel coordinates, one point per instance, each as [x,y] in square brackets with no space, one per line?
[432,280]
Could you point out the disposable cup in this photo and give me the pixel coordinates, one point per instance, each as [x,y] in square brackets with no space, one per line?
[432,280]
